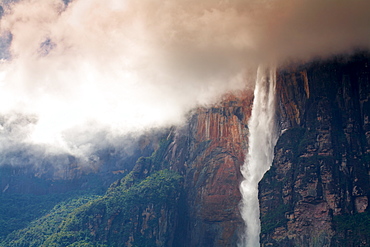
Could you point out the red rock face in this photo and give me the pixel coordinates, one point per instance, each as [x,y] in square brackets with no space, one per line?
[209,152]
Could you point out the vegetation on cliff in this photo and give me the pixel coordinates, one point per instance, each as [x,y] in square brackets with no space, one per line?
[99,220]
[136,210]
[352,230]
[39,230]
[18,210]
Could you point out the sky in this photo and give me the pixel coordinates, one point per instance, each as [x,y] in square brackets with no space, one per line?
[85,74]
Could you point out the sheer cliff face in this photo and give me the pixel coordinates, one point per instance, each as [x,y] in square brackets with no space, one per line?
[209,152]
[320,173]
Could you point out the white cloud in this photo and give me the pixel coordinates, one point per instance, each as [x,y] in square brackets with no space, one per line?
[126,66]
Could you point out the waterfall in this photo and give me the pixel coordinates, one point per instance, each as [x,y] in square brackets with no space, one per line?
[262,140]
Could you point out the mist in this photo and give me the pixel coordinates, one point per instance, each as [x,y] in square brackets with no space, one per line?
[80,75]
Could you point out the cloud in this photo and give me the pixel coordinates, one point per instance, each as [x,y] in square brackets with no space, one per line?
[302,30]
[119,67]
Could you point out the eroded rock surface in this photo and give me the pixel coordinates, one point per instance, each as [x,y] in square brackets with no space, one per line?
[320,173]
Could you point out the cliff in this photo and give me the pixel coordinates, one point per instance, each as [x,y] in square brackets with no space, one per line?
[209,152]
[318,185]
[194,204]
[186,192]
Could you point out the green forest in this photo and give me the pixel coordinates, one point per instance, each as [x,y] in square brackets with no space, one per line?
[69,222]
[85,218]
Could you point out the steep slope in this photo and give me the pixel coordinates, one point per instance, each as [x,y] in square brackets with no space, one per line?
[209,152]
[142,214]
[28,190]
[185,194]
[319,180]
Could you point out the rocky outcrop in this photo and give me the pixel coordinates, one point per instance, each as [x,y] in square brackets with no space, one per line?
[320,172]
[209,152]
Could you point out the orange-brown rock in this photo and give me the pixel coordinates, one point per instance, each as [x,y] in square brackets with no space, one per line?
[209,151]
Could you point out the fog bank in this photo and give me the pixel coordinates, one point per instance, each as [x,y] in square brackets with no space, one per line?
[74,71]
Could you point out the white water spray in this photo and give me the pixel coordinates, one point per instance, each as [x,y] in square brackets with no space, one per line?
[262,140]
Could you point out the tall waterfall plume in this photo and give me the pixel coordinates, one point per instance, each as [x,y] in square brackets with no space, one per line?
[262,140]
